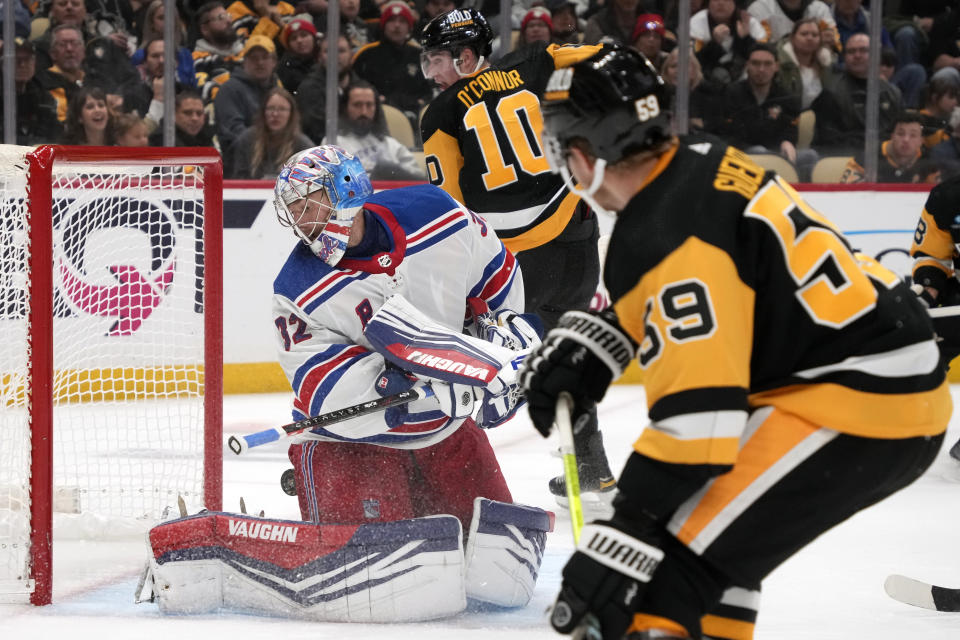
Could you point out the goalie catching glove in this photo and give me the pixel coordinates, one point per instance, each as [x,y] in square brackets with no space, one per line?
[606,576]
[582,356]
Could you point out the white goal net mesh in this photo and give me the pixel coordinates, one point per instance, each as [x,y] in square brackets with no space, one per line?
[128,350]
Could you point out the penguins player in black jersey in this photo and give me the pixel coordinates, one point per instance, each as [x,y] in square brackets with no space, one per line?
[790,382]
[482,145]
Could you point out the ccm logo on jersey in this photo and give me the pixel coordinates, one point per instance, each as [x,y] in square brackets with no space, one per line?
[263,531]
[446,364]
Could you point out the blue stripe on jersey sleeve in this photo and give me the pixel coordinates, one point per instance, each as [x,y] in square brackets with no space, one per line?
[330,292]
[301,271]
[415,206]
[489,272]
[497,301]
[316,359]
[446,233]
[332,379]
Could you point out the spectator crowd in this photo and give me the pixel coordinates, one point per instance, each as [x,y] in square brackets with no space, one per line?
[782,79]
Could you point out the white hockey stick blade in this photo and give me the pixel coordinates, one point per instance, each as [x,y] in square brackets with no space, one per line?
[922,594]
[145,592]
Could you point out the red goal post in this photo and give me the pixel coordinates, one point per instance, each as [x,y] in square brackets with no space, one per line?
[111,372]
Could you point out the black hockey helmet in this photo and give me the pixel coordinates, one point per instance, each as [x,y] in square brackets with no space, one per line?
[615,100]
[456,30]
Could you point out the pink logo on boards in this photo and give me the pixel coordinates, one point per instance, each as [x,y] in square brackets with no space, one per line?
[131,301]
[115,258]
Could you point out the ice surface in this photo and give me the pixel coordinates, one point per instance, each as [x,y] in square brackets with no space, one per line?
[832,590]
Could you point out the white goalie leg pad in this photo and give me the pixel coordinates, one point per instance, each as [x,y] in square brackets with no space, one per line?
[504,551]
[188,587]
[399,571]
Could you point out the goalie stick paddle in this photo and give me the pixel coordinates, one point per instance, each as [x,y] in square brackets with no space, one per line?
[922,594]
[240,444]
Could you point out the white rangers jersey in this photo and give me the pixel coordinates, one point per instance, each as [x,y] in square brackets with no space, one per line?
[440,254]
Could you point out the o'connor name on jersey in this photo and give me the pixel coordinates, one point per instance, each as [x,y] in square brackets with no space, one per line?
[489,80]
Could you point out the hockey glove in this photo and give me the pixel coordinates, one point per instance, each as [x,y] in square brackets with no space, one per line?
[456,400]
[505,328]
[393,380]
[582,355]
[496,409]
[606,576]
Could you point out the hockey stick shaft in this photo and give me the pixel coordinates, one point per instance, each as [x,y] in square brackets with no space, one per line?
[589,627]
[570,472]
[240,444]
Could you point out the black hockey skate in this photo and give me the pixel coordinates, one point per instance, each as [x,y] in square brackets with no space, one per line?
[597,484]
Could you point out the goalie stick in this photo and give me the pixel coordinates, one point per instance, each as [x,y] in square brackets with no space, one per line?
[922,594]
[240,444]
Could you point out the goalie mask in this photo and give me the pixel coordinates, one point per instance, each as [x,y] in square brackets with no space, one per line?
[452,32]
[318,194]
[614,100]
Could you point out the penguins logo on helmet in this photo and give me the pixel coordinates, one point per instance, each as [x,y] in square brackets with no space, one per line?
[615,101]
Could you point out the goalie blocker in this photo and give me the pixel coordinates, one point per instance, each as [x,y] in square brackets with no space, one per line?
[415,569]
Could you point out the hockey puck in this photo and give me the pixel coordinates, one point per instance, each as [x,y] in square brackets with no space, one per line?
[288,483]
